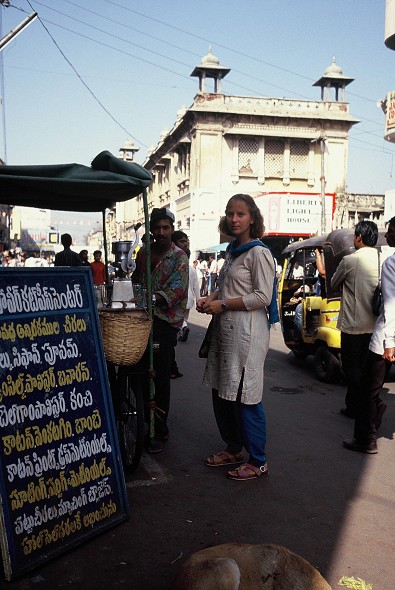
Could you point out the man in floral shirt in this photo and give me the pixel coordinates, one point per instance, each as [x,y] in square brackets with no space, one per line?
[169,277]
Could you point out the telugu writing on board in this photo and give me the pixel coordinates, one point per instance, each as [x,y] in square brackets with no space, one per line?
[60,468]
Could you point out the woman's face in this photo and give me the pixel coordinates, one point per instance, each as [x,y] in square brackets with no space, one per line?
[239,220]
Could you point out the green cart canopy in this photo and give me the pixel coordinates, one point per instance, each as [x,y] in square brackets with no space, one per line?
[73,187]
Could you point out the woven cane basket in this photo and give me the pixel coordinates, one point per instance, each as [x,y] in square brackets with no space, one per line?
[125,334]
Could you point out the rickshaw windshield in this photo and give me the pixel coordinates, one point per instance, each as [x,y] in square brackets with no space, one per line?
[301,258]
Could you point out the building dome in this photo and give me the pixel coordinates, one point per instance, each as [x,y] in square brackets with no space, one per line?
[210,67]
[210,59]
[333,70]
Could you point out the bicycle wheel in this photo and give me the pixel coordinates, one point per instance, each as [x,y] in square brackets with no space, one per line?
[130,418]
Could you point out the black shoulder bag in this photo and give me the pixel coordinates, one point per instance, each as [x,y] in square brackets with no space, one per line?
[377,299]
[205,346]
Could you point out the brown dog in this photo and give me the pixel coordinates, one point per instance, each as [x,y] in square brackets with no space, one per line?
[239,566]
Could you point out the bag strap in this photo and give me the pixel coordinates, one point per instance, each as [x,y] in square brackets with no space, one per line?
[378,267]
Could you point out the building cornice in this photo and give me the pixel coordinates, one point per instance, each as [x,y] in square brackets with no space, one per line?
[275,107]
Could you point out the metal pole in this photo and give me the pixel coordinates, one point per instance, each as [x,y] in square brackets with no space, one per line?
[323,218]
[18,29]
[150,312]
[105,244]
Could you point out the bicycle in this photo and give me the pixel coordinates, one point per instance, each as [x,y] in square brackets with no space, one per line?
[128,404]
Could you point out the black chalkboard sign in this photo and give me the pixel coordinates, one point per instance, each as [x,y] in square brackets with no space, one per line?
[61,475]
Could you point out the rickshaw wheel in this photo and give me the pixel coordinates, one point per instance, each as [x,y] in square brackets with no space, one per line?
[300,355]
[130,418]
[326,366]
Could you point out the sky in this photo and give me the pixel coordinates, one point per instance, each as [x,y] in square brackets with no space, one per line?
[90,74]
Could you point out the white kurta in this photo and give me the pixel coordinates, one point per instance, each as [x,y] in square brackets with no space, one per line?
[241,338]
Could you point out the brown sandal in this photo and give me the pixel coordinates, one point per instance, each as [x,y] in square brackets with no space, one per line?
[224,458]
[248,471]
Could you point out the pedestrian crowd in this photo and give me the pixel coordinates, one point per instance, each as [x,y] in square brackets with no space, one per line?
[17,257]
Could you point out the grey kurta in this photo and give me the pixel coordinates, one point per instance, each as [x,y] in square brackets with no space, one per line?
[241,338]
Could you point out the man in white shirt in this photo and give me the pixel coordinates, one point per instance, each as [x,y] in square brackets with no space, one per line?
[220,263]
[203,268]
[213,271]
[33,260]
[297,272]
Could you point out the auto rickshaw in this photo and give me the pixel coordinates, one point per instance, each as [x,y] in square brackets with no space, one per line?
[309,320]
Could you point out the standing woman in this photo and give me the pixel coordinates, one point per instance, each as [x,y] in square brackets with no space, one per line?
[240,340]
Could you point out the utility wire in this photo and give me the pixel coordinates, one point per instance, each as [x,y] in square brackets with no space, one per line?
[231,49]
[193,53]
[234,84]
[187,65]
[85,84]
[183,49]
[165,57]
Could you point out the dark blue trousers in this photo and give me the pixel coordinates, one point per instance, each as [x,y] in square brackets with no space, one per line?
[241,425]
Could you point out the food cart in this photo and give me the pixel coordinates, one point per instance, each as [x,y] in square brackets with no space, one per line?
[74,187]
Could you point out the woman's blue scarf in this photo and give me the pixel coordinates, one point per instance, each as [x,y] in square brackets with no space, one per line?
[235,251]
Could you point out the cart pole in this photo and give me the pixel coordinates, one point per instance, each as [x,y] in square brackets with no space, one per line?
[105,244]
[323,215]
[150,313]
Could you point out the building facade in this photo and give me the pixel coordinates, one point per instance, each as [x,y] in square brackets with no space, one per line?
[222,145]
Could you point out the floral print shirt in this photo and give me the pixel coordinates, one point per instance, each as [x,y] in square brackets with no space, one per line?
[170,279]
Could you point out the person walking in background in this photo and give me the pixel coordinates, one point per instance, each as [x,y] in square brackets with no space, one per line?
[98,269]
[213,270]
[84,258]
[357,277]
[370,408]
[235,364]
[182,241]
[169,279]
[203,279]
[12,261]
[67,257]
[32,259]
[220,263]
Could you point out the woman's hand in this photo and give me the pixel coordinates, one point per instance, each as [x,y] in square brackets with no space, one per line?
[212,306]
[200,303]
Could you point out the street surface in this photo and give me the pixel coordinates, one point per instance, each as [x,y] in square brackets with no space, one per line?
[332,506]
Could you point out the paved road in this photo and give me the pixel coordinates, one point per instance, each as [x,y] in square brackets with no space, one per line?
[332,506]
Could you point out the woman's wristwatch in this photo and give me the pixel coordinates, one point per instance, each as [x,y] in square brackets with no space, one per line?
[223,305]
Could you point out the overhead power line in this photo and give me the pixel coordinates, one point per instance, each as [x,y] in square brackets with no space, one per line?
[86,85]
[161,55]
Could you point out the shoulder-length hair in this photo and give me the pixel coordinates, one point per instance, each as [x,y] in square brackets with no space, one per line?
[257,228]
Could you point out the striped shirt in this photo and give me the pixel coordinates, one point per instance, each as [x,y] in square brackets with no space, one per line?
[67,258]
